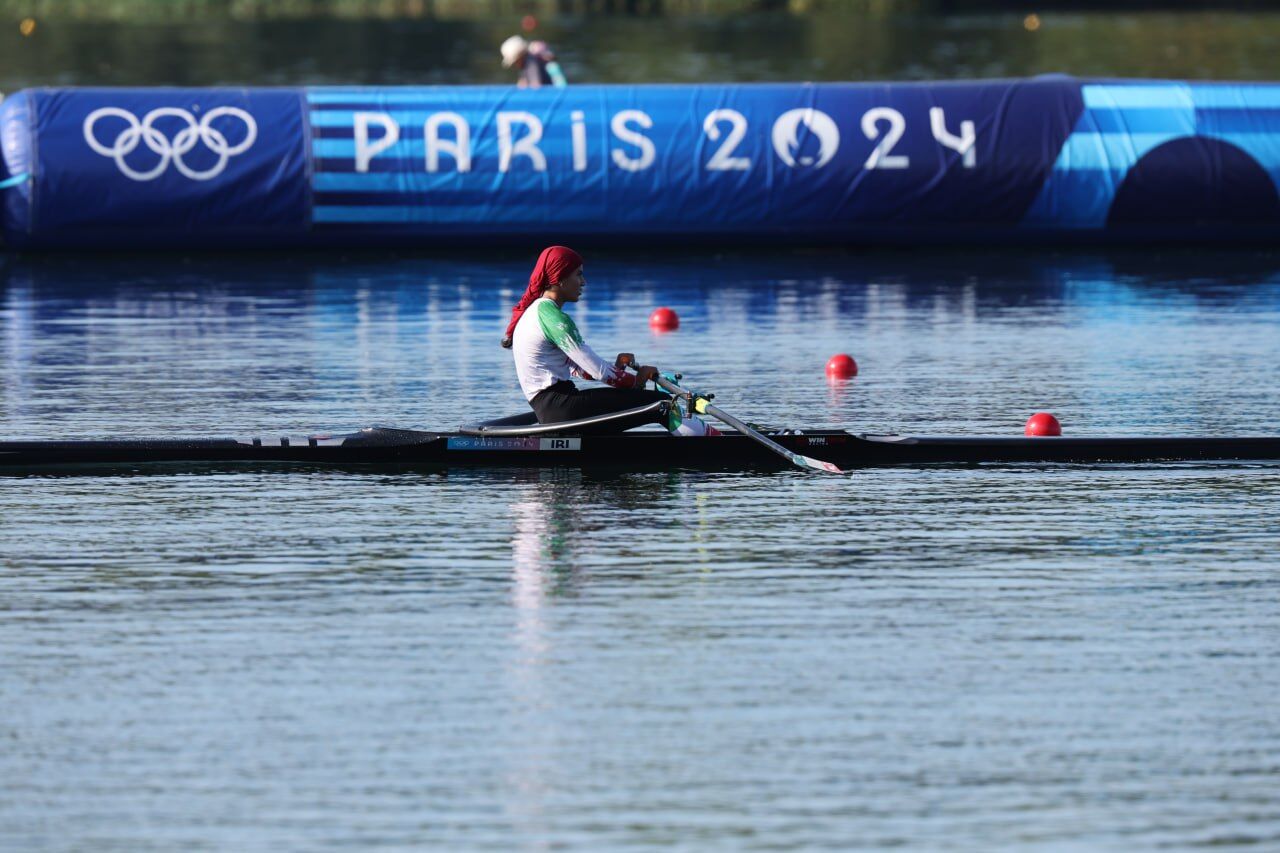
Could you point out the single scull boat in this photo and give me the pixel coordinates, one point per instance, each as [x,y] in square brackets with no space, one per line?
[603,442]
[643,450]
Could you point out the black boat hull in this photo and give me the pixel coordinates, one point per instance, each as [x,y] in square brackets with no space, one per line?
[634,450]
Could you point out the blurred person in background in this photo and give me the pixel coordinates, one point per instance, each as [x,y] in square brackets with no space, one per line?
[535,61]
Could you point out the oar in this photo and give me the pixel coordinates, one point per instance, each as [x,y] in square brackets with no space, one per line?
[703,406]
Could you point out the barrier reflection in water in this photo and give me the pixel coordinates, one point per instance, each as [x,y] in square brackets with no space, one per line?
[263,343]
[768,283]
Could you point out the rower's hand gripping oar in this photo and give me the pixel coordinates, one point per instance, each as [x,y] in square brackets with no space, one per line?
[702,405]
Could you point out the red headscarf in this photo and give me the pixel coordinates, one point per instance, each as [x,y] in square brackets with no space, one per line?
[554,263]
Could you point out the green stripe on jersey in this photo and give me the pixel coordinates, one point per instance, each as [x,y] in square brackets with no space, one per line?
[557,325]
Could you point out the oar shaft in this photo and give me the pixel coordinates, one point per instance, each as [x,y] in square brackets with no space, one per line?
[716,412]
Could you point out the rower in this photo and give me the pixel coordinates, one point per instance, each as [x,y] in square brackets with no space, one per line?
[549,352]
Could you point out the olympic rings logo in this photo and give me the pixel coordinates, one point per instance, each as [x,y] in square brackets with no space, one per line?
[183,143]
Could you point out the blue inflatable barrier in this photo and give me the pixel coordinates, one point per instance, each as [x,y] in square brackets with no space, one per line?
[1001,161]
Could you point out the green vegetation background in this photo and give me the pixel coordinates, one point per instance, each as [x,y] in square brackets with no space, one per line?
[289,42]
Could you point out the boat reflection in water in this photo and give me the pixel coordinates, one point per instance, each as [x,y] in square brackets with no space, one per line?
[567,527]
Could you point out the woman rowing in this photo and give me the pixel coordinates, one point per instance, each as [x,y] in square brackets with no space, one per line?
[550,352]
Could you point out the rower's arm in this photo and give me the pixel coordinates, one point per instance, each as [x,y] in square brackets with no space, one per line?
[560,329]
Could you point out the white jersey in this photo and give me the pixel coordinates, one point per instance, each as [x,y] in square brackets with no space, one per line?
[548,348]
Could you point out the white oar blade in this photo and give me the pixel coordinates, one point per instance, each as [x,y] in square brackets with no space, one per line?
[819,465]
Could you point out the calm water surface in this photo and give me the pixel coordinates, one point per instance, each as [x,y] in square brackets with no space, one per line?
[948,658]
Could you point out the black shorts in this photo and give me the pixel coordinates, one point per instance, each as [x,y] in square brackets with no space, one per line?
[564,402]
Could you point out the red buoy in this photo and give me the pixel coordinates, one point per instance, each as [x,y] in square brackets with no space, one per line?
[1043,423]
[664,320]
[841,366]
[528,23]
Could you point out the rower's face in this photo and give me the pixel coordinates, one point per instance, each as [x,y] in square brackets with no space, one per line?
[571,285]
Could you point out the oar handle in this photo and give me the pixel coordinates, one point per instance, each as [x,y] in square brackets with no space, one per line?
[626,360]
